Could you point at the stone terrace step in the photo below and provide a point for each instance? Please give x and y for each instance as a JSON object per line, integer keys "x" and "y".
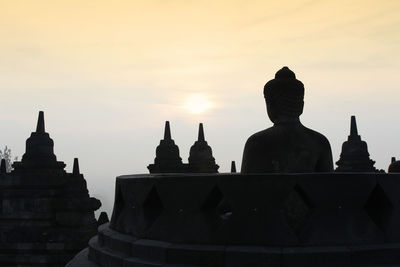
{"x": 112, "y": 249}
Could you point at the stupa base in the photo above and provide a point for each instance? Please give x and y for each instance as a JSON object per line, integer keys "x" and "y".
{"x": 113, "y": 249}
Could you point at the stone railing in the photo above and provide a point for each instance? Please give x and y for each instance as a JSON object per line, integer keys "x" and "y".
{"x": 319, "y": 209}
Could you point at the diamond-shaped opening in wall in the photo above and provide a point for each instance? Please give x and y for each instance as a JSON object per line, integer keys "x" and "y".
{"x": 152, "y": 207}
{"x": 379, "y": 207}
{"x": 215, "y": 207}
{"x": 297, "y": 209}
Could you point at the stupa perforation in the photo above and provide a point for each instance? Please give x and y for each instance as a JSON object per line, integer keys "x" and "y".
{"x": 379, "y": 207}
{"x": 297, "y": 209}
{"x": 287, "y": 206}
{"x": 152, "y": 206}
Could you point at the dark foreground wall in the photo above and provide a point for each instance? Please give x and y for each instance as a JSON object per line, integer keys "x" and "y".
{"x": 46, "y": 217}
{"x": 277, "y": 210}
{"x": 333, "y": 219}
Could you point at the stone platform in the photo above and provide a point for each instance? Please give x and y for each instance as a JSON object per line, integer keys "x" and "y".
{"x": 46, "y": 213}
{"x": 45, "y": 219}
{"x": 328, "y": 219}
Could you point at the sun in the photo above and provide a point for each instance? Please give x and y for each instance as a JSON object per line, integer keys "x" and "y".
{"x": 197, "y": 103}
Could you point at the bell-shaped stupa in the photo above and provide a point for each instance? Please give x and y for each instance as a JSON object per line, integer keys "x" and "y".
{"x": 355, "y": 156}
{"x": 167, "y": 155}
{"x": 46, "y": 214}
{"x": 285, "y": 208}
{"x": 394, "y": 165}
{"x": 201, "y": 159}
{"x": 39, "y": 151}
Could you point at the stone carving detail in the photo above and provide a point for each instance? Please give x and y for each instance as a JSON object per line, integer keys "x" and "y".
{"x": 355, "y": 156}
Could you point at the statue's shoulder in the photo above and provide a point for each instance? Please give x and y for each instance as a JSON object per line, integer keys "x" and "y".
{"x": 316, "y": 136}
{"x": 260, "y": 137}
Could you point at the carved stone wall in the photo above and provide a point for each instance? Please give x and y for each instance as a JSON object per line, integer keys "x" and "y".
{"x": 268, "y": 210}
{"x": 46, "y": 214}
{"x": 294, "y": 220}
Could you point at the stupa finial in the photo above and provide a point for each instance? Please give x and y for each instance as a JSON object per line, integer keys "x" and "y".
{"x": 233, "y": 166}
{"x": 40, "y": 123}
{"x": 167, "y": 155}
{"x": 3, "y": 168}
{"x": 75, "y": 168}
{"x": 353, "y": 126}
{"x": 201, "y": 133}
{"x": 355, "y": 156}
{"x": 167, "y": 131}
{"x": 200, "y": 155}
{"x": 39, "y": 152}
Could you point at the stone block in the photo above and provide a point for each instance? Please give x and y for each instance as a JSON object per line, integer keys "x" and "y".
{"x": 376, "y": 255}
{"x": 136, "y": 262}
{"x": 238, "y": 256}
{"x": 206, "y": 255}
{"x": 150, "y": 250}
{"x": 316, "y": 257}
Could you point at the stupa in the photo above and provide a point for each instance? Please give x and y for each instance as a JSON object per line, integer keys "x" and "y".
{"x": 394, "y": 165}
{"x": 318, "y": 218}
{"x": 355, "y": 156}
{"x": 200, "y": 157}
{"x": 168, "y": 160}
{"x": 46, "y": 214}
{"x": 167, "y": 155}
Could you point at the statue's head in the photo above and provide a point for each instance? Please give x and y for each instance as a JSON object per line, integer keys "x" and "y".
{"x": 284, "y": 96}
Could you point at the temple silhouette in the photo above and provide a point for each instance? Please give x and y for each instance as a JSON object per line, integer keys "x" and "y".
{"x": 168, "y": 160}
{"x": 287, "y": 206}
{"x": 394, "y": 165}
{"x": 46, "y": 214}
{"x": 355, "y": 156}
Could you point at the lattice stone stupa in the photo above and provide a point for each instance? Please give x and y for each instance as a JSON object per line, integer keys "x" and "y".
{"x": 287, "y": 207}
{"x": 46, "y": 214}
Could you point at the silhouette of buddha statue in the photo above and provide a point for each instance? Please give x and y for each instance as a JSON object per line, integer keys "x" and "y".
{"x": 287, "y": 146}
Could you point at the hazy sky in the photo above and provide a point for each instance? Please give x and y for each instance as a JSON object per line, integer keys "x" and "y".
{"x": 109, "y": 73}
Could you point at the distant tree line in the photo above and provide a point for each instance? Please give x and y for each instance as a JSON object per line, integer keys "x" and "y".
{"x": 6, "y": 154}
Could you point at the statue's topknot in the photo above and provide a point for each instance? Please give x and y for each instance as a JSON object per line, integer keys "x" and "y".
{"x": 285, "y": 73}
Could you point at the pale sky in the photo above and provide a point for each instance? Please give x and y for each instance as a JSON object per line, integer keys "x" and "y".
{"x": 109, "y": 73}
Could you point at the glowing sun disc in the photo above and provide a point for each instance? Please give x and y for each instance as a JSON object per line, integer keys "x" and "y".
{"x": 197, "y": 103}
